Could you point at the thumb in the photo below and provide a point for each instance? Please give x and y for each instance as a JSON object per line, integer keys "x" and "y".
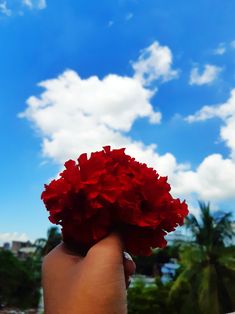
{"x": 110, "y": 249}
{"x": 102, "y": 274}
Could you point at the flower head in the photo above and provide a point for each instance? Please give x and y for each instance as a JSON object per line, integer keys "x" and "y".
{"x": 112, "y": 191}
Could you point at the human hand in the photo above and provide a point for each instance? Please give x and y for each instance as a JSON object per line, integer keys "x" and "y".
{"x": 94, "y": 284}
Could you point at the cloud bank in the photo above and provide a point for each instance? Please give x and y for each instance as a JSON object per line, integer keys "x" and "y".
{"x": 154, "y": 63}
{"x": 74, "y": 115}
{"x": 209, "y": 75}
{"x": 214, "y": 178}
{"x": 226, "y": 112}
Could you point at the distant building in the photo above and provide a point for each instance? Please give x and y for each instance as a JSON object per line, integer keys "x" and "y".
{"x": 17, "y": 245}
{"x": 6, "y": 246}
{"x": 169, "y": 270}
{"x": 22, "y": 249}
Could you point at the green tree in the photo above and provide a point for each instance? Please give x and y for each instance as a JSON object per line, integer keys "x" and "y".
{"x": 205, "y": 283}
{"x": 19, "y": 284}
{"x": 149, "y": 299}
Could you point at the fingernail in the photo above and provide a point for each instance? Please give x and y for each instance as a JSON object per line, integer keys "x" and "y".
{"x": 127, "y": 256}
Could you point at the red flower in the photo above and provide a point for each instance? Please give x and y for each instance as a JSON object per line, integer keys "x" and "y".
{"x": 111, "y": 191}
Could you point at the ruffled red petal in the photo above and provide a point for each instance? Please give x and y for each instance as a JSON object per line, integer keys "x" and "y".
{"x": 111, "y": 191}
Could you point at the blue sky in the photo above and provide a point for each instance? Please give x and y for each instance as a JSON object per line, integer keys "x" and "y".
{"x": 129, "y": 73}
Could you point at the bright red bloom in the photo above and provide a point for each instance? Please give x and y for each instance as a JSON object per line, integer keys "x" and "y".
{"x": 111, "y": 191}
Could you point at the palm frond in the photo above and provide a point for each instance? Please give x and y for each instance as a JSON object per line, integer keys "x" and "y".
{"x": 181, "y": 281}
{"x": 192, "y": 224}
{"x": 226, "y": 257}
{"x": 208, "y": 291}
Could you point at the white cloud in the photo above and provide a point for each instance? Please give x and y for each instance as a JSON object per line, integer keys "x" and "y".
{"x": 4, "y": 9}
{"x": 12, "y": 236}
{"x": 220, "y": 50}
{"x": 210, "y": 74}
{"x": 154, "y": 62}
{"x": 74, "y": 115}
{"x": 226, "y": 112}
{"x": 35, "y": 4}
{"x": 214, "y": 178}
{"x": 89, "y": 112}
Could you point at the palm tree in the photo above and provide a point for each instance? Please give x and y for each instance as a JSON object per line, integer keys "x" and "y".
{"x": 212, "y": 231}
{"x": 205, "y": 283}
